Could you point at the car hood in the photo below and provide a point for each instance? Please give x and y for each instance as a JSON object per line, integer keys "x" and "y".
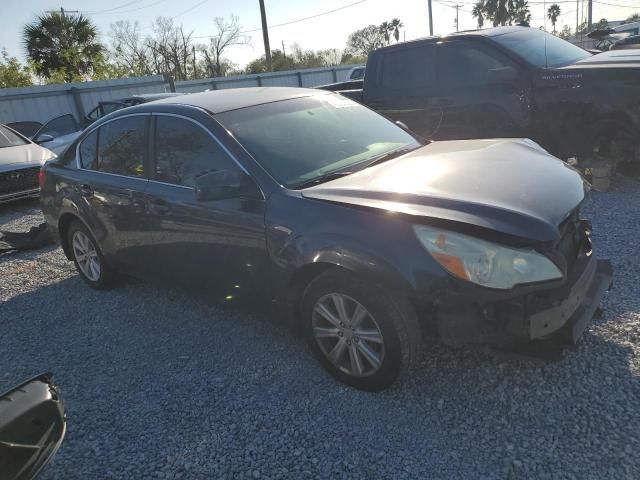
{"x": 23, "y": 156}
{"x": 613, "y": 58}
{"x": 511, "y": 186}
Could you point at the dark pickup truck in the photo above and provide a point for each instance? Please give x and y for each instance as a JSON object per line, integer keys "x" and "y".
{"x": 508, "y": 82}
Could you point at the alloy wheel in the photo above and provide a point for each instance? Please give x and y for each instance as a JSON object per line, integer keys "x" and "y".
{"x": 86, "y": 256}
{"x": 348, "y": 335}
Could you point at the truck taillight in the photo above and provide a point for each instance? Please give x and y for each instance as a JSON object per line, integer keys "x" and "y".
{"x": 41, "y": 177}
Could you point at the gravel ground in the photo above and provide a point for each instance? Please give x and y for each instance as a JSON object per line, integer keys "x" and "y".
{"x": 159, "y": 384}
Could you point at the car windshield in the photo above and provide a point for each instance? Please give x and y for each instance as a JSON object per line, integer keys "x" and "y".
{"x": 9, "y": 138}
{"x": 303, "y": 139}
{"x": 541, "y": 49}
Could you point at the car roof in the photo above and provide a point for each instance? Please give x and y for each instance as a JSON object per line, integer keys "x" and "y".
{"x": 218, "y": 101}
{"x": 485, "y": 32}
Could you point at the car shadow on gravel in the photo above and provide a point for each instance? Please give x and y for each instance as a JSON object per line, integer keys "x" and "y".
{"x": 160, "y": 371}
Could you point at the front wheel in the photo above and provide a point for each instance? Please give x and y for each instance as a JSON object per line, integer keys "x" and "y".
{"x": 362, "y": 335}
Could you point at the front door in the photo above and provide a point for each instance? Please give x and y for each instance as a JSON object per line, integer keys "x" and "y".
{"x": 215, "y": 246}
{"x": 475, "y": 101}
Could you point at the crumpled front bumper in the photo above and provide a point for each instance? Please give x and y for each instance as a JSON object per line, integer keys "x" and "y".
{"x": 571, "y": 317}
{"x": 556, "y": 315}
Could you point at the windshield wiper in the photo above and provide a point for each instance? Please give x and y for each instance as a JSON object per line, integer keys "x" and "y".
{"x": 321, "y": 179}
{"x": 389, "y": 155}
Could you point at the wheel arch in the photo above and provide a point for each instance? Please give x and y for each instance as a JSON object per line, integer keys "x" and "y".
{"x": 375, "y": 270}
{"x": 64, "y": 222}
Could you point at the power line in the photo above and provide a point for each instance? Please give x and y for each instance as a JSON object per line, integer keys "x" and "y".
{"x": 190, "y": 8}
{"x": 114, "y": 8}
{"x": 153, "y": 4}
{"x": 299, "y": 19}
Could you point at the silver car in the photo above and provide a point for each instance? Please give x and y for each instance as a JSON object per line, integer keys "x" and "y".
{"x": 20, "y": 162}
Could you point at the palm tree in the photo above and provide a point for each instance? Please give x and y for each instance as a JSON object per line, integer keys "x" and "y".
{"x": 478, "y": 12}
{"x": 59, "y": 44}
{"x": 553, "y": 12}
{"x": 499, "y": 11}
{"x": 395, "y": 26}
{"x": 385, "y": 29}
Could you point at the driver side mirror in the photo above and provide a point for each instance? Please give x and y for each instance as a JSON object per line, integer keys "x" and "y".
{"x": 43, "y": 138}
{"x": 502, "y": 75}
{"x": 224, "y": 184}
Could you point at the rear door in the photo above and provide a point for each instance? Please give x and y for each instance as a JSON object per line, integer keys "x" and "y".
{"x": 216, "y": 246}
{"x": 474, "y": 104}
{"x": 402, "y": 86}
{"x": 113, "y": 160}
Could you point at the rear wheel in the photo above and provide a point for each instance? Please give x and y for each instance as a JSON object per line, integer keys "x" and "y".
{"x": 87, "y": 257}
{"x": 362, "y": 335}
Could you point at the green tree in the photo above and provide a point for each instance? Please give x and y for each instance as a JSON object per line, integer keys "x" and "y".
{"x": 633, "y": 18}
{"x": 366, "y": 40}
{"x": 396, "y": 25}
{"x": 12, "y": 73}
{"x": 520, "y": 12}
{"x": 553, "y": 12}
{"x": 62, "y": 44}
{"x": 601, "y": 25}
{"x": 498, "y": 11}
{"x": 566, "y": 33}
{"x": 478, "y": 12}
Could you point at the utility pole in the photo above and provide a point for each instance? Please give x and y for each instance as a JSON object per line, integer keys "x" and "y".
{"x": 590, "y": 17}
{"x": 265, "y": 36}
{"x": 457, "y": 18}
{"x": 577, "y": 17}
{"x": 430, "y": 18}
{"x": 284, "y": 52}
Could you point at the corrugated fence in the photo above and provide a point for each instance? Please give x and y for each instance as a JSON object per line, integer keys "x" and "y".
{"x": 309, "y": 77}
{"x": 44, "y": 102}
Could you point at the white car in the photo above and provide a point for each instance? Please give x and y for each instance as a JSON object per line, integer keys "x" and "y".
{"x": 20, "y": 162}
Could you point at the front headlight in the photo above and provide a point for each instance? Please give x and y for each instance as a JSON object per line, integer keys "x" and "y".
{"x": 485, "y": 263}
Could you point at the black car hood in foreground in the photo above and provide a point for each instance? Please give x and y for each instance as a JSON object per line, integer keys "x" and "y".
{"x": 32, "y": 426}
{"x": 511, "y": 186}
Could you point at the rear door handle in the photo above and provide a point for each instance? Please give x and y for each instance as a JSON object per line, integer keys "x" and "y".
{"x": 86, "y": 190}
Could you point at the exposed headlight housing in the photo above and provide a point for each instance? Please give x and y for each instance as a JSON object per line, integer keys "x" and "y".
{"x": 485, "y": 263}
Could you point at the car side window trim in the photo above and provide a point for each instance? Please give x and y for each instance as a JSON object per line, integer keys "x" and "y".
{"x": 79, "y": 166}
{"x": 208, "y": 132}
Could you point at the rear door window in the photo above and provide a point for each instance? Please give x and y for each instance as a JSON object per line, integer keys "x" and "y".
{"x": 122, "y": 146}
{"x": 407, "y": 68}
{"x": 89, "y": 151}
{"x": 185, "y": 151}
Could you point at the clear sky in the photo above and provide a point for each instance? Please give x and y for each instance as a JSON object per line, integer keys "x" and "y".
{"x": 325, "y": 31}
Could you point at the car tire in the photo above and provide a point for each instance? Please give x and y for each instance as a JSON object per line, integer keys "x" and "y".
{"x": 369, "y": 350}
{"x": 88, "y": 258}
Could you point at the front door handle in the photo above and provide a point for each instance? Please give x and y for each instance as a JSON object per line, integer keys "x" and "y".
{"x": 86, "y": 190}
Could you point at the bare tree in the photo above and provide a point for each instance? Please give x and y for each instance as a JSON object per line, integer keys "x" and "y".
{"x": 171, "y": 48}
{"x": 128, "y": 49}
{"x": 228, "y": 34}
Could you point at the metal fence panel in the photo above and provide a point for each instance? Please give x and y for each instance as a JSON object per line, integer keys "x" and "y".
{"x": 44, "y": 102}
{"x": 309, "y": 77}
